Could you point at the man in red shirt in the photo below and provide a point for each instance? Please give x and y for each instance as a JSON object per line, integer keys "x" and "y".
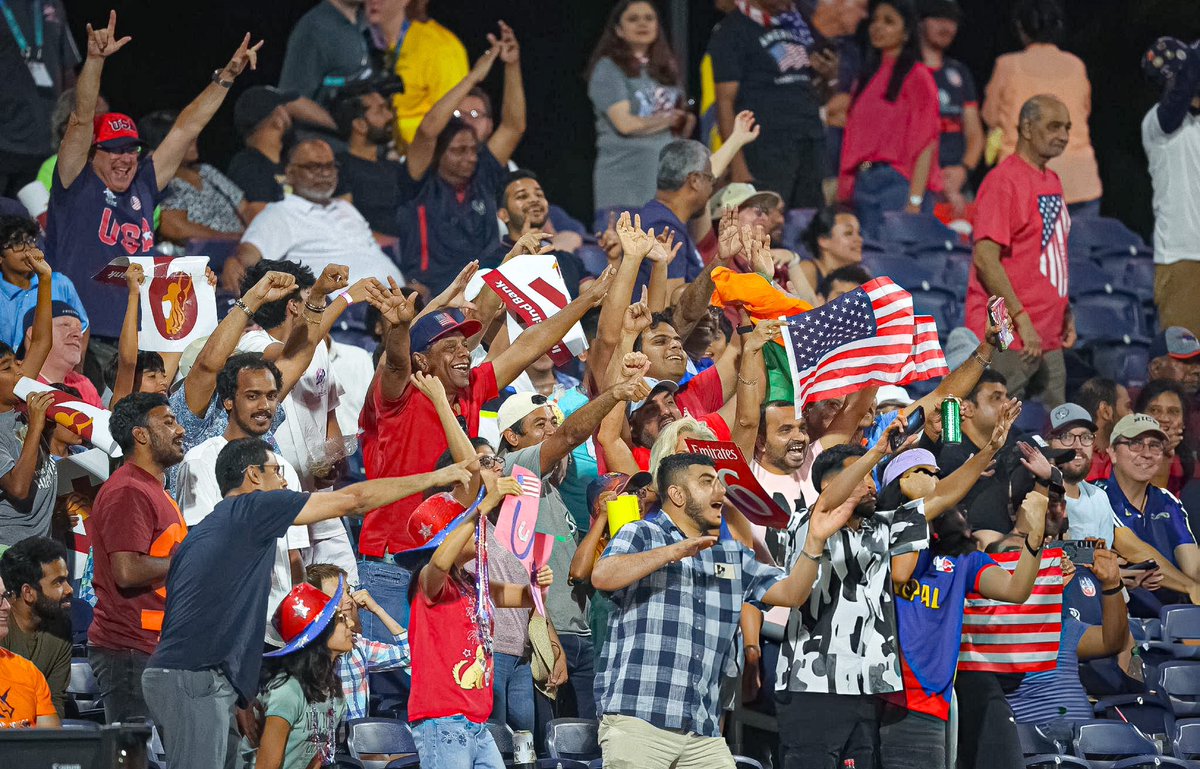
{"x": 401, "y": 431}
{"x": 135, "y": 528}
{"x": 1021, "y": 229}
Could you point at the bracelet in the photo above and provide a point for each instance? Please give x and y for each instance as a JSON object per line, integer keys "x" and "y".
{"x": 346, "y": 295}
{"x": 1034, "y": 553}
{"x": 313, "y": 308}
{"x": 238, "y": 303}
{"x": 983, "y": 361}
{"x": 311, "y": 321}
{"x": 743, "y": 330}
{"x": 748, "y": 647}
{"x": 1113, "y": 590}
{"x": 747, "y": 382}
{"x": 810, "y": 556}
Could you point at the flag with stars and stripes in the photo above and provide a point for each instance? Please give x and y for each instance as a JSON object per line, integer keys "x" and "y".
{"x": 1056, "y": 224}
{"x": 927, "y": 360}
{"x": 861, "y": 339}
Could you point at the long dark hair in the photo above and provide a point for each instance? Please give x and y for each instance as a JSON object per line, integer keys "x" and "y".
{"x": 313, "y": 667}
{"x": 910, "y": 52}
{"x": 662, "y": 66}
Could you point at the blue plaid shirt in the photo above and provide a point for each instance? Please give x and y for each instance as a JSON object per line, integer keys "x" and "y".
{"x": 369, "y": 657}
{"x": 669, "y": 633}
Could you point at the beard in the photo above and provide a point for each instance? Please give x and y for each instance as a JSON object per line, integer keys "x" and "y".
{"x": 165, "y": 451}
{"x": 695, "y": 511}
{"x": 1073, "y": 476}
{"x": 864, "y": 509}
{"x": 379, "y": 134}
{"x": 50, "y": 612}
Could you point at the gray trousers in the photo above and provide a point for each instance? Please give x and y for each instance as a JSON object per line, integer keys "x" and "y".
{"x": 1047, "y": 376}
{"x": 194, "y": 709}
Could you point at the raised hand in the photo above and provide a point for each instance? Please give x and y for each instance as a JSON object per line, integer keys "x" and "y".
{"x": 1034, "y": 461}
{"x": 36, "y": 406}
{"x": 210, "y": 276}
{"x": 598, "y": 288}
{"x": 729, "y": 235}
{"x": 529, "y": 243}
{"x": 760, "y": 257}
{"x": 1035, "y": 506}
{"x": 635, "y": 242}
{"x": 1106, "y": 568}
{"x": 825, "y": 64}
{"x": 243, "y": 56}
{"x": 510, "y": 49}
{"x": 393, "y": 305}
{"x": 272, "y": 287}
{"x": 763, "y": 333}
{"x": 634, "y": 365}
{"x": 745, "y": 128}
{"x": 455, "y": 294}
{"x": 455, "y": 474}
{"x": 333, "y": 278}
{"x": 631, "y": 389}
{"x": 103, "y": 43}
{"x": 824, "y": 524}
{"x": 430, "y": 386}
{"x": 483, "y": 65}
{"x": 608, "y": 239}
{"x": 636, "y": 320}
{"x": 358, "y": 289}
{"x": 1008, "y": 415}
{"x": 665, "y": 249}
{"x": 134, "y": 277}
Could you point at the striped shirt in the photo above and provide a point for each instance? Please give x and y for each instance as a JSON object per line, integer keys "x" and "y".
{"x": 369, "y": 657}
{"x": 1058, "y": 693}
{"x": 1002, "y": 637}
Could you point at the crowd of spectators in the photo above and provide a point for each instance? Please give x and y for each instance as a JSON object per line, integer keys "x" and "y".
{"x": 303, "y": 521}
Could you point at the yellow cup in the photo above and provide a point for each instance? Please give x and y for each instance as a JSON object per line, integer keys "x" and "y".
{"x": 622, "y": 510}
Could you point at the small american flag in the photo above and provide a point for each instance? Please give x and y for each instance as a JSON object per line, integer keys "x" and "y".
{"x": 861, "y": 339}
{"x": 445, "y": 319}
{"x": 789, "y": 56}
{"x": 531, "y": 485}
{"x": 1056, "y": 225}
{"x": 927, "y": 360}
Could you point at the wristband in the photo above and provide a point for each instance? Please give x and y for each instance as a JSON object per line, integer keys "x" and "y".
{"x": 238, "y": 303}
{"x": 1034, "y": 553}
{"x": 346, "y": 296}
{"x": 743, "y": 330}
{"x": 810, "y": 556}
{"x": 982, "y": 361}
{"x": 1113, "y": 590}
{"x": 216, "y": 78}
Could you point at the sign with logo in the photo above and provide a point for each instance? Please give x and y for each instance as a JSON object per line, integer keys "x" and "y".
{"x": 532, "y": 288}
{"x": 178, "y": 305}
{"x": 742, "y": 489}
{"x": 83, "y": 419}
{"x": 516, "y": 528}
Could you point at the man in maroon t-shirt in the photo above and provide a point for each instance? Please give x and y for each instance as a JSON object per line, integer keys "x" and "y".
{"x": 135, "y": 528}
{"x": 401, "y": 431}
{"x": 1021, "y": 233}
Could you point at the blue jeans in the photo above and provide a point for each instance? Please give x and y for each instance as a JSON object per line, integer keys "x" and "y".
{"x": 878, "y": 189}
{"x": 512, "y": 692}
{"x": 388, "y": 585}
{"x": 456, "y": 743}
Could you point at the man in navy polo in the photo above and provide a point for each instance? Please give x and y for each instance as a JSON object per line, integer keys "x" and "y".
{"x": 685, "y": 183}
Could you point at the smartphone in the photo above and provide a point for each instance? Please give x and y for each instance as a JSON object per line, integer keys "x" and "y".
{"x": 1081, "y": 552}
{"x": 1149, "y": 565}
{"x": 998, "y": 313}
{"x": 914, "y": 425}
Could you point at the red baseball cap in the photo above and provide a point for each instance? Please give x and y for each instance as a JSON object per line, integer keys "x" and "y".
{"x": 113, "y": 130}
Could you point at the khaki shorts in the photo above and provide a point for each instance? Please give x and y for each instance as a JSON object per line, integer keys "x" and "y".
{"x": 631, "y": 743}
{"x": 1175, "y": 289}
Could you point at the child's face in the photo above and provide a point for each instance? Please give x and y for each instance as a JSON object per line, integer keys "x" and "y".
{"x": 342, "y": 638}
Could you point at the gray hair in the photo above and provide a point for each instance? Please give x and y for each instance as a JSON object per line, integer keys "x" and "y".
{"x": 1031, "y": 110}
{"x": 678, "y": 160}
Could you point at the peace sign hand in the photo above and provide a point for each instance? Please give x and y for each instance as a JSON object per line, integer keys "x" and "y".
{"x": 104, "y": 43}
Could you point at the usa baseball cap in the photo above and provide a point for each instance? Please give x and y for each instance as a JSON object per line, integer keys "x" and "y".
{"x": 112, "y": 131}
{"x": 1070, "y": 414}
{"x": 1177, "y": 342}
{"x": 1133, "y": 425}
{"x": 656, "y": 386}
{"x": 437, "y": 325}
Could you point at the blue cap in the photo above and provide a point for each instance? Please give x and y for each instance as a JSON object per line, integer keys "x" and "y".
{"x": 58, "y": 309}
{"x": 436, "y": 325}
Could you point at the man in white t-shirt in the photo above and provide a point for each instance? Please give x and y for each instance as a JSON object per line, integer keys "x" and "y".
{"x": 311, "y": 226}
{"x": 310, "y": 434}
{"x": 1089, "y": 512}
{"x": 1171, "y": 137}
{"x": 248, "y": 388}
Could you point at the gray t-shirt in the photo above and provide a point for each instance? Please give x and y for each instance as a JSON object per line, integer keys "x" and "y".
{"x": 29, "y": 517}
{"x": 627, "y": 166}
{"x": 568, "y": 613}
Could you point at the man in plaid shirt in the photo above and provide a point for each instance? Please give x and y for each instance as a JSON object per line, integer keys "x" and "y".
{"x": 367, "y": 656}
{"x": 677, "y": 593}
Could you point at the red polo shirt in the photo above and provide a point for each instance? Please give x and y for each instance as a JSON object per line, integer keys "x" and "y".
{"x": 405, "y": 437}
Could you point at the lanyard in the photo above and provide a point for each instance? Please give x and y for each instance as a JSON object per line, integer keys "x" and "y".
{"x": 38, "y": 31}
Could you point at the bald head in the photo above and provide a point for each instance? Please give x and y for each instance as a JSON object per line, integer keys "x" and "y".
{"x": 311, "y": 171}
{"x": 1044, "y": 126}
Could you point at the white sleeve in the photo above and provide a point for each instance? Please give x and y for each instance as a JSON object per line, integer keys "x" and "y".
{"x": 270, "y": 233}
{"x": 198, "y": 492}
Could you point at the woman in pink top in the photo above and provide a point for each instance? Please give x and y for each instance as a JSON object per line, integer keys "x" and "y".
{"x": 889, "y": 150}
{"x": 1044, "y": 68}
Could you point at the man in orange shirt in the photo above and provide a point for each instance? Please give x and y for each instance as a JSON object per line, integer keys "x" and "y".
{"x": 24, "y": 694}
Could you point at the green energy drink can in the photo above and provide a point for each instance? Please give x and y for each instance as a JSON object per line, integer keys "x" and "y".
{"x": 951, "y": 420}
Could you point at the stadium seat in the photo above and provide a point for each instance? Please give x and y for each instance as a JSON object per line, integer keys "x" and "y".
{"x": 572, "y": 738}
{"x": 1102, "y": 234}
{"x": 78, "y": 723}
{"x": 1149, "y": 712}
{"x": 795, "y": 222}
{"x": 1053, "y": 760}
{"x": 381, "y": 736}
{"x": 1179, "y": 622}
{"x": 1035, "y": 742}
{"x": 940, "y": 303}
{"x": 1185, "y": 740}
{"x": 1180, "y": 683}
{"x": 1105, "y": 317}
{"x": 84, "y": 693}
{"x": 745, "y": 762}
{"x": 901, "y": 268}
{"x": 1145, "y": 629}
{"x": 916, "y": 231}
{"x": 502, "y": 735}
{"x": 1088, "y": 277}
{"x": 1121, "y": 361}
{"x": 1104, "y": 743}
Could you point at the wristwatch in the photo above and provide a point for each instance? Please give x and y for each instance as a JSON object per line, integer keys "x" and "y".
{"x": 216, "y": 78}
{"x": 916, "y": 200}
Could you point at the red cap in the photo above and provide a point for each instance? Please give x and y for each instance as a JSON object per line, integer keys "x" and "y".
{"x": 112, "y": 130}
{"x": 430, "y": 518}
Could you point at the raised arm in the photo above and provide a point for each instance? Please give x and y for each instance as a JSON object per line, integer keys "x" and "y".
{"x": 998, "y": 584}
{"x": 460, "y": 445}
{"x": 845, "y": 482}
{"x": 127, "y": 345}
{"x": 796, "y": 588}
{"x": 745, "y": 130}
{"x": 636, "y": 245}
{"x": 398, "y": 312}
{"x": 17, "y": 484}
{"x": 77, "y": 140}
{"x": 696, "y": 298}
{"x": 846, "y": 421}
{"x": 201, "y": 381}
{"x": 536, "y": 341}
{"x": 959, "y": 382}
{"x": 196, "y": 115}
{"x": 41, "y": 339}
{"x": 1111, "y": 636}
{"x": 951, "y": 489}
{"x": 617, "y": 572}
{"x": 508, "y": 133}
{"x": 365, "y": 496}
{"x": 433, "y": 576}
{"x": 420, "y": 151}
{"x": 752, "y": 386}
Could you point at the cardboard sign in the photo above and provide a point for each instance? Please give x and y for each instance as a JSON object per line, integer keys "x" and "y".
{"x": 742, "y": 489}
{"x": 516, "y": 528}
{"x": 532, "y": 289}
{"x": 83, "y": 419}
{"x": 178, "y": 305}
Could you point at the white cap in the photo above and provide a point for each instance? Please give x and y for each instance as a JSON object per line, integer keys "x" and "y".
{"x": 893, "y": 394}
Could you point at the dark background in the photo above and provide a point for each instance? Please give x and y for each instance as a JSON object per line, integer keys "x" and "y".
{"x": 178, "y": 43}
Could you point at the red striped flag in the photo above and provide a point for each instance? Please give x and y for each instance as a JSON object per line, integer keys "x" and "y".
{"x": 862, "y": 338}
{"x": 1002, "y": 637}
{"x": 927, "y": 360}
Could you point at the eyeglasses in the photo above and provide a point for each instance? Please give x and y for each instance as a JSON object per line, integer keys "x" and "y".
{"x": 471, "y": 113}
{"x": 1152, "y": 446}
{"x": 1070, "y": 439}
{"x": 22, "y": 245}
{"x": 134, "y": 150}
{"x": 316, "y": 168}
{"x": 490, "y": 462}
{"x": 277, "y": 468}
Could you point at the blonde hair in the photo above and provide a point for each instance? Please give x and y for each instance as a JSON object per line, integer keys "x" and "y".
{"x": 667, "y": 440}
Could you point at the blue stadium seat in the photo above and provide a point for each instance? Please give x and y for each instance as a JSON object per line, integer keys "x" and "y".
{"x": 1034, "y": 741}
{"x": 942, "y": 304}
{"x": 1102, "y": 234}
{"x": 1101, "y": 317}
{"x": 574, "y": 739}
{"x": 1185, "y": 740}
{"x": 795, "y": 222}
{"x": 901, "y": 268}
{"x": 951, "y": 268}
{"x": 1055, "y": 761}
{"x": 1139, "y": 278}
{"x": 744, "y": 762}
{"x": 1104, "y": 743}
{"x": 1145, "y": 629}
{"x": 1088, "y": 277}
{"x": 916, "y": 231}
{"x": 1120, "y": 361}
{"x": 1149, "y": 712}
{"x": 385, "y": 736}
{"x": 1180, "y": 683}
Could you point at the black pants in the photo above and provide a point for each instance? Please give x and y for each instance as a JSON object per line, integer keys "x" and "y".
{"x": 119, "y": 676}
{"x": 823, "y": 731}
{"x": 791, "y": 165}
{"x": 987, "y": 731}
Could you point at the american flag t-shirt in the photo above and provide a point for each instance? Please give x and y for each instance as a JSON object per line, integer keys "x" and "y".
{"x": 1056, "y": 223}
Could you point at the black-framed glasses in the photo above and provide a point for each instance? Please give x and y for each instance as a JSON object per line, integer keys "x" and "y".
{"x": 1152, "y": 446}
{"x": 491, "y": 462}
{"x": 277, "y": 468}
{"x": 21, "y": 245}
{"x": 1070, "y": 439}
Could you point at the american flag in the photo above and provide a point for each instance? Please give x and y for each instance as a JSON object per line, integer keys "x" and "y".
{"x": 927, "y": 360}
{"x": 860, "y": 339}
{"x": 789, "y": 56}
{"x": 1056, "y": 225}
{"x": 530, "y": 484}
{"x": 1002, "y": 637}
